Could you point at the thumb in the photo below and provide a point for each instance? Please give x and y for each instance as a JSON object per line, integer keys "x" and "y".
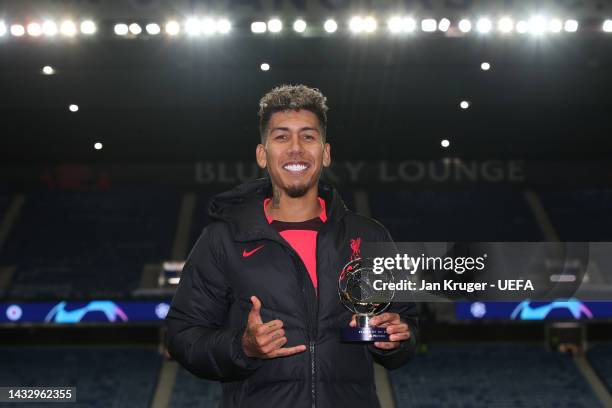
{"x": 254, "y": 314}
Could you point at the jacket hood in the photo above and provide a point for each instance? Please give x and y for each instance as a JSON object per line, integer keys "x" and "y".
{"x": 242, "y": 207}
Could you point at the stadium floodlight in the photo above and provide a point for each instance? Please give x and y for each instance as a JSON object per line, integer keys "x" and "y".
{"x": 330, "y": 26}
{"x": 34, "y": 29}
{"x": 464, "y": 105}
{"x": 192, "y": 26}
{"x": 48, "y": 70}
{"x": 121, "y": 29}
{"x": 275, "y": 25}
{"x": 49, "y": 28}
{"x": 484, "y": 25}
{"x": 394, "y": 24}
{"x": 299, "y": 26}
{"x": 209, "y": 26}
{"x": 409, "y": 24}
{"x": 97, "y": 145}
{"x": 2, "y": 28}
{"x": 571, "y": 26}
{"x": 68, "y": 28}
{"x": 17, "y": 30}
{"x": 465, "y": 25}
{"x": 172, "y": 27}
{"x": 555, "y": 25}
{"x": 429, "y": 25}
{"x": 153, "y": 28}
{"x": 135, "y": 28}
{"x": 444, "y": 25}
{"x": 607, "y": 26}
{"x": 224, "y": 26}
{"x": 522, "y": 27}
{"x": 537, "y": 25}
{"x": 356, "y": 24}
{"x": 264, "y": 67}
{"x": 444, "y": 143}
{"x": 505, "y": 25}
{"x": 485, "y": 66}
{"x": 88, "y": 27}
{"x": 369, "y": 24}
{"x": 73, "y": 108}
{"x": 259, "y": 27}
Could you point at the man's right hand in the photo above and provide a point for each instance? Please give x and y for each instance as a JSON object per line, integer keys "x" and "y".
{"x": 265, "y": 340}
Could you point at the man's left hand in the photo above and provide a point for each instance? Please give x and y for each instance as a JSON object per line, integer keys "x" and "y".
{"x": 397, "y": 330}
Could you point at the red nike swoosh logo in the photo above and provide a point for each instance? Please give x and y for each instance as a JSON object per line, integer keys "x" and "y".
{"x": 246, "y": 253}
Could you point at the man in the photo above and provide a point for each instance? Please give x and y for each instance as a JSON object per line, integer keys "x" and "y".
{"x": 257, "y": 305}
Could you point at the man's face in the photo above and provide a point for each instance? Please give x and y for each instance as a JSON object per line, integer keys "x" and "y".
{"x": 294, "y": 152}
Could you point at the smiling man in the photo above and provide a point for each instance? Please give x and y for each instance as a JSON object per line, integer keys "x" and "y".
{"x": 257, "y": 306}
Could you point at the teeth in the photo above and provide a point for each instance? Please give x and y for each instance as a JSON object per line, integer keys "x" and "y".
{"x": 295, "y": 167}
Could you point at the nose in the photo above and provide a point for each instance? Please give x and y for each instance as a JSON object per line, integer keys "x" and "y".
{"x": 296, "y": 144}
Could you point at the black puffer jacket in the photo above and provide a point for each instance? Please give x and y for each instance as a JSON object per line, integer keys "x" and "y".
{"x": 209, "y": 310}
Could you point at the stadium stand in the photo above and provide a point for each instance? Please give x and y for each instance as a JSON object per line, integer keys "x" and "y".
{"x": 580, "y": 215}
{"x": 104, "y": 376}
{"x": 192, "y": 392}
{"x": 88, "y": 244}
{"x": 600, "y": 357}
{"x": 428, "y": 216}
{"x": 491, "y": 375}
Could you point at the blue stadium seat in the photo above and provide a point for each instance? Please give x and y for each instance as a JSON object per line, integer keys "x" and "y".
{"x": 491, "y": 376}
{"x": 430, "y": 216}
{"x": 100, "y": 240}
{"x": 104, "y": 376}
{"x": 600, "y": 357}
{"x": 192, "y": 392}
{"x": 580, "y": 215}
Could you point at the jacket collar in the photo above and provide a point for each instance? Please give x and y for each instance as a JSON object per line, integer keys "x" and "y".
{"x": 242, "y": 208}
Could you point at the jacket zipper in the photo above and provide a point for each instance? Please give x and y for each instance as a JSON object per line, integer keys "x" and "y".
{"x": 312, "y": 313}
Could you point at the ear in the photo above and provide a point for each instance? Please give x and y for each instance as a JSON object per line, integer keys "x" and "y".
{"x": 260, "y": 156}
{"x": 326, "y": 155}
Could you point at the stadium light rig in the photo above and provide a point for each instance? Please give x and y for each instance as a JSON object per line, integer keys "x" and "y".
{"x": 465, "y": 25}
{"x": 330, "y": 26}
{"x": 258, "y": 27}
{"x": 399, "y": 24}
{"x": 299, "y": 26}
{"x": 429, "y": 25}
{"x": 275, "y": 25}
{"x": 193, "y": 26}
{"x": 172, "y": 28}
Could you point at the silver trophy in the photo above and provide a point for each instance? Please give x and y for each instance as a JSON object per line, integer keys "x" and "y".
{"x": 357, "y": 293}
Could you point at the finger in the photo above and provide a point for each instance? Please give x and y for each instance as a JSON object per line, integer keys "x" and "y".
{"x": 386, "y": 345}
{"x": 397, "y": 328}
{"x": 263, "y": 341}
{"x": 353, "y": 321}
{"x": 276, "y": 344}
{"x": 392, "y": 318}
{"x": 269, "y": 327}
{"x": 287, "y": 351}
{"x": 255, "y": 313}
{"x": 399, "y": 336}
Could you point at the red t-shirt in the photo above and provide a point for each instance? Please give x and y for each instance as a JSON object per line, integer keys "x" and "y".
{"x": 302, "y": 236}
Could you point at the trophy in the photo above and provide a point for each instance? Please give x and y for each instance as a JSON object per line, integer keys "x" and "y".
{"x": 357, "y": 293}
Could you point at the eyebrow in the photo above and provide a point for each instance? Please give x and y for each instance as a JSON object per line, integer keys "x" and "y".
{"x": 307, "y": 128}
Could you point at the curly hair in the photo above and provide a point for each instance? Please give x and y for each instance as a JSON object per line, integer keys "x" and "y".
{"x": 292, "y": 97}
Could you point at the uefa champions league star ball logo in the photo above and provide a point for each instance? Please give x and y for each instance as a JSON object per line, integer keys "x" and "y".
{"x": 14, "y": 313}
{"x": 356, "y": 288}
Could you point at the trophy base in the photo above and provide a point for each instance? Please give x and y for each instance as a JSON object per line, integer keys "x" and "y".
{"x": 364, "y": 334}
